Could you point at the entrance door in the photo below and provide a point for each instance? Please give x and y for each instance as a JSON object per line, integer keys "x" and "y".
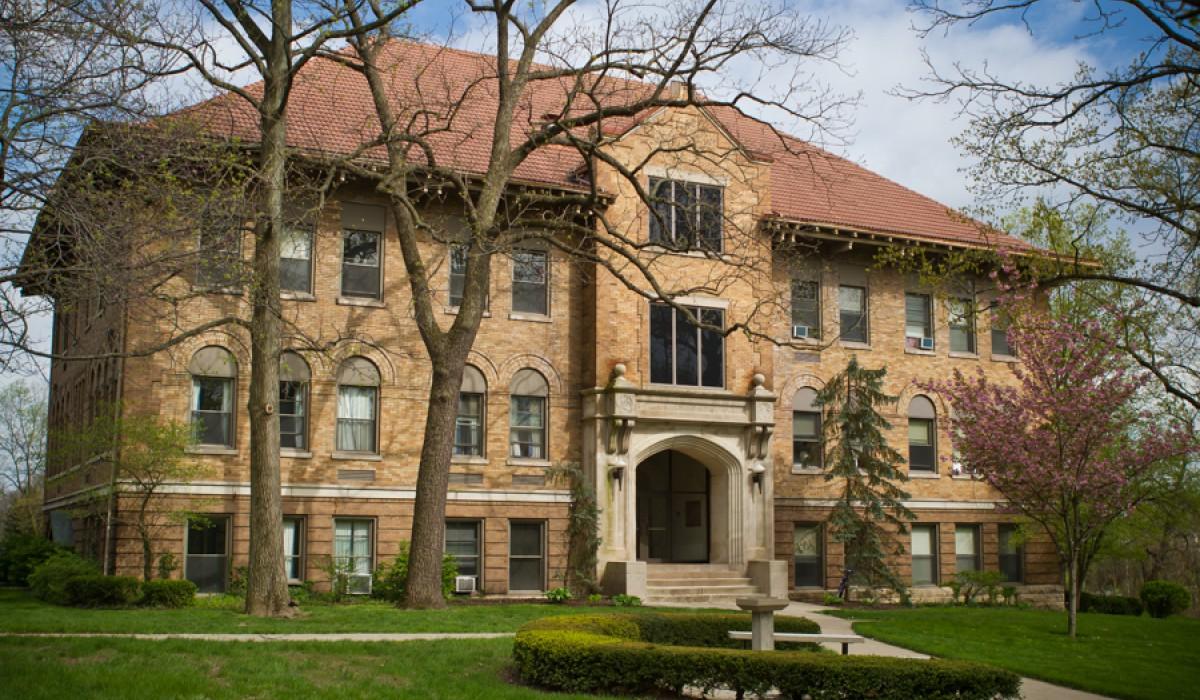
{"x": 672, "y": 504}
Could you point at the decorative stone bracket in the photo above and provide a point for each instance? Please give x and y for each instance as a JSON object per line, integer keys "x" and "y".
{"x": 622, "y": 409}
{"x": 762, "y": 425}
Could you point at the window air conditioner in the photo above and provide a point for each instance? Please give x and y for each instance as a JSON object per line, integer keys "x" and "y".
{"x": 464, "y": 584}
{"x": 926, "y": 343}
{"x": 799, "y": 331}
{"x": 358, "y": 584}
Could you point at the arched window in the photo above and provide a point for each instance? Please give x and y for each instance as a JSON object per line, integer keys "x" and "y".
{"x": 294, "y": 377}
{"x": 358, "y": 406}
{"x": 468, "y": 427}
{"x": 213, "y": 371}
{"x": 807, "y": 452}
{"x": 922, "y": 445}
{"x": 527, "y": 415}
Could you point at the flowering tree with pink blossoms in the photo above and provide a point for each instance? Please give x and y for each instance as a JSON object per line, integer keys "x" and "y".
{"x": 1066, "y": 445}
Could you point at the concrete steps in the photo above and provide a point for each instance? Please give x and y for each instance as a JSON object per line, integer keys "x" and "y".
{"x": 695, "y": 583}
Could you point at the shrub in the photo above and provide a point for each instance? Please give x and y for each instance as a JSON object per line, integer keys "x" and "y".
{"x": 390, "y": 580}
{"x": 712, "y": 629}
{"x": 595, "y": 598}
{"x": 972, "y": 583}
{"x": 1010, "y": 595}
{"x": 49, "y": 580}
{"x": 95, "y": 591}
{"x": 831, "y": 599}
{"x": 558, "y": 595}
{"x": 1110, "y": 604}
{"x": 1165, "y": 598}
{"x": 20, "y": 554}
{"x": 168, "y": 593}
{"x": 167, "y": 564}
{"x": 627, "y": 654}
{"x": 626, "y": 601}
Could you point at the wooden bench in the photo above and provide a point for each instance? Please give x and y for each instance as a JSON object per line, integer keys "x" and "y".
{"x": 844, "y": 639}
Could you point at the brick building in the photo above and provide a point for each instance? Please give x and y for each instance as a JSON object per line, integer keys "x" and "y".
{"x": 703, "y": 449}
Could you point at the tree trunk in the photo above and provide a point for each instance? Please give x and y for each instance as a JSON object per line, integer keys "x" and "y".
{"x": 147, "y": 554}
{"x": 429, "y": 509}
{"x": 266, "y": 588}
{"x": 1074, "y": 588}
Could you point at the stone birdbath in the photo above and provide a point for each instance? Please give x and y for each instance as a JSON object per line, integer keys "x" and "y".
{"x": 762, "y": 621}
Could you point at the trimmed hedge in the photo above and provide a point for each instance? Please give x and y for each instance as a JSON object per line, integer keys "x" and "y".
{"x": 96, "y": 591}
{"x": 1165, "y": 598}
{"x": 614, "y": 654}
{"x": 49, "y": 579}
{"x": 1110, "y": 604}
{"x": 168, "y": 593}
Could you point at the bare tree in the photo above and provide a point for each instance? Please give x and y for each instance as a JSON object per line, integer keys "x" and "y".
{"x": 1116, "y": 142}
{"x": 561, "y": 87}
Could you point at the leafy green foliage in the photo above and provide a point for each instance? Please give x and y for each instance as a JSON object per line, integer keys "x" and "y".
{"x": 583, "y": 528}
{"x": 712, "y": 629}
{"x": 626, "y": 601}
{"x": 630, "y": 654}
{"x": 1165, "y": 598}
{"x": 172, "y": 593}
{"x": 95, "y": 591}
{"x": 1110, "y": 604}
{"x": 391, "y": 578}
{"x": 49, "y": 579}
{"x": 973, "y": 583}
{"x": 558, "y": 595}
{"x": 20, "y": 553}
{"x": 594, "y": 599}
{"x": 871, "y": 504}
{"x": 167, "y": 564}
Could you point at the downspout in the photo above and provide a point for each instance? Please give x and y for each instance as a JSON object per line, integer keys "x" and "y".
{"x": 109, "y": 554}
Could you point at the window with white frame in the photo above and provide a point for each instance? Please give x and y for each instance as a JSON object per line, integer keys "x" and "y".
{"x": 918, "y": 322}
{"x": 463, "y": 543}
{"x": 213, "y": 372}
{"x": 469, "y": 423}
{"x": 458, "y": 273}
{"x": 357, "y": 406}
{"x": 1000, "y": 342}
{"x": 962, "y": 324}
{"x": 807, "y": 448}
{"x": 362, "y": 250}
{"x": 353, "y": 552}
{"x": 526, "y": 556}
{"x": 683, "y": 353}
{"x": 527, "y": 415}
{"x": 966, "y": 548}
{"x": 295, "y": 258}
{"x": 530, "y": 282}
{"x": 293, "y": 548}
{"x": 294, "y": 379}
{"x": 852, "y": 314}
{"x": 924, "y": 555}
{"x": 922, "y": 441}
{"x": 686, "y": 215}
{"x": 806, "y": 309}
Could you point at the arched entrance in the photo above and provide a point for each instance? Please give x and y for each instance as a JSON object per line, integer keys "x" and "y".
{"x": 673, "y": 509}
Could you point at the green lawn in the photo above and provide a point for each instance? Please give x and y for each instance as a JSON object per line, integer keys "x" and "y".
{"x": 1127, "y": 657}
{"x": 108, "y": 668}
{"x": 21, "y": 612}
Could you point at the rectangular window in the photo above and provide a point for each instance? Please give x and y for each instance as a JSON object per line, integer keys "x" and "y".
{"x": 206, "y": 561}
{"x": 810, "y": 570}
{"x": 806, "y": 309}
{"x": 219, "y": 250}
{"x": 458, "y": 273}
{"x": 1000, "y": 344}
{"x": 468, "y": 426}
{"x": 295, "y": 258}
{"x": 361, "y": 264}
{"x": 212, "y": 410}
{"x": 852, "y": 313}
{"x": 1011, "y": 554}
{"x": 918, "y": 322}
{"x": 686, "y": 215}
{"x": 352, "y": 552}
{"x": 962, "y": 325}
{"x": 462, "y": 543}
{"x": 526, "y": 557}
{"x": 684, "y": 354}
{"x": 966, "y": 548}
{"x": 530, "y": 282}
{"x": 293, "y": 549}
{"x": 924, "y": 555}
{"x": 806, "y": 440}
{"x": 293, "y": 415}
{"x": 527, "y": 431}
{"x": 920, "y": 445}
{"x": 356, "y": 418}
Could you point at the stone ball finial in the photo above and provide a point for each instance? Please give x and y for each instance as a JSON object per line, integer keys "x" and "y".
{"x": 758, "y": 379}
{"x": 619, "y": 369}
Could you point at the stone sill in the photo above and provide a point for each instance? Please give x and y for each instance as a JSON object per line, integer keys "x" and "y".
{"x": 527, "y": 462}
{"x": 854, "y": 345}
{"x": 1005, "y": 358}
{"x": 811, "y": 471}
{"x": 915, "y": 351}
{"x": 295, "y": 454}
{"x": 453, "y": 311}
{"x": 468, "y": 459}
{"x": 964, "y": 355}
{"x": 211, "y": 450}
{"x": 360, "y": 301}
{"x": 357, "y": 456}
{"x": 536, "y": 318}
{"x": 297, "y": 296}
{"x": 924, "y": 475}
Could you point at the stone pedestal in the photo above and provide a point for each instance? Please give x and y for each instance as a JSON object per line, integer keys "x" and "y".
{"x": 762, "y": 623}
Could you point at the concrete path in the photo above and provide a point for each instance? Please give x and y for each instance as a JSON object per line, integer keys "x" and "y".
{"x": 315, "y": 637}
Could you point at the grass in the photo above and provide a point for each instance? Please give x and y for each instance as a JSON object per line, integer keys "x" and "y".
{"x": 21, "y": 612}
{"x": 109, "y": 668}
{"x": 1119, "y": 656}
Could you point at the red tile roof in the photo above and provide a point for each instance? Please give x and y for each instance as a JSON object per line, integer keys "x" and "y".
{"x": 451, "y": 95}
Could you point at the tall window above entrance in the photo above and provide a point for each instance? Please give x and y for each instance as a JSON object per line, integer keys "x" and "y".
{"x": 685, "y": 215}
{"x": 682, "y": 353}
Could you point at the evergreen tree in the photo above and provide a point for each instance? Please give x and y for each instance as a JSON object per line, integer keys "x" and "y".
{"x": 871, "y": 510}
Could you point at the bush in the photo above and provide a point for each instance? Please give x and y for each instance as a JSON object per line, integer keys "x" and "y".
{"x": 20, "y": 554}
{"x": 49, "y": 580}
{"x": 168, "y": 593}
{"x": 1165, "y": 598}
{"x": 595, "y": 598}
{"x": 712, "y": 629}
{"x": 622, "y": 600}
{"x": 558, "y": 595}
{"x": 630, "y": 654}
{"x": 1109, "y": 604}
{"x": 972, "y": 583}
{"x": 390, "y": 580}
{"x": 94, "y": 591}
